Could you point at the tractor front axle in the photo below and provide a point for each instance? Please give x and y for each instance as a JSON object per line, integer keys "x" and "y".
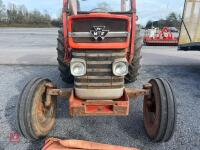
{"x": 117, "y": 107}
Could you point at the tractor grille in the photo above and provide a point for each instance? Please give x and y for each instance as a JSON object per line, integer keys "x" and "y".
{"x": 99, "y": 69}
{"x": 85, "y": 25}
{"x": 112, "y": 25}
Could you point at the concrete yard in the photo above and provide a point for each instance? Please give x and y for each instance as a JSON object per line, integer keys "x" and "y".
{"x": 38, "y": 47}
{"x": 28, "y": 53}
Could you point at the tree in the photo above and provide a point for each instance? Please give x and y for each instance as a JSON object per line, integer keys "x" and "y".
{"x": 105, "y": 6}
{"x": 2, "y": 11}
{"x": 172, "y": 20}
{"x": 172, "y": 17}
{"x": 36, "y": 17}
{"x": 12, "y": 13}
{"x": 22, "y": 14}
{"x": 149, "y": 24}
{"x": 161, "y": 23}
{"x": 57, "y": 22}
{"x": 46, "y": 17}
{"x": 19, "y": 15}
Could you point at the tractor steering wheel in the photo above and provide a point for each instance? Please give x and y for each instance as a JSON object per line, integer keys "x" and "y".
{"x": 99, "y": 10}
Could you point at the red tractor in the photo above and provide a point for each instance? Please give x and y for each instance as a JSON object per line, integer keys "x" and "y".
{"x": 99, "y": 49}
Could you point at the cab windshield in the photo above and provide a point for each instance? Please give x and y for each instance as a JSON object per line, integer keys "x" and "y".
{"x": 104, "y": 5}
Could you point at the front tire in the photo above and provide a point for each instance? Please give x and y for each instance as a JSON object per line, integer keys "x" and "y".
{"x": 160, "y": 111}
{"x": 34, "y": 118}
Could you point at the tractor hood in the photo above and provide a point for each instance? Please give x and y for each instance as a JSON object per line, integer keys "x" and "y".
{"x": 99, "y": 31}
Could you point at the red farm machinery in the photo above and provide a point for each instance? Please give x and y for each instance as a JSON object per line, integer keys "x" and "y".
{"x": 99, "y": 50}
{"x": 156, "y": 37}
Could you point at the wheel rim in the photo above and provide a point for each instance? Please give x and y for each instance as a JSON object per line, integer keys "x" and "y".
{"x": 152, "y": 111}
{"x": 43, "y": 117}
{"x": 160, "y": 111}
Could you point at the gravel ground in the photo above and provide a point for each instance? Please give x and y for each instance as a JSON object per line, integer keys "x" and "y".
{"x": 126, "y": 131}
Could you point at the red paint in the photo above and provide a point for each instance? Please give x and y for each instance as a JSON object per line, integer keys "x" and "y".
{"x": 133, "y": 30}
{"x": 163, "y": 38}
{"x": 121, "y": 45}
{"x": 69, "y": 43}
{"x": 65, "y": 32}
{"x": 64, "y": 17}
{"x": 79, "y": 107}
{"x": 14, "y": 137}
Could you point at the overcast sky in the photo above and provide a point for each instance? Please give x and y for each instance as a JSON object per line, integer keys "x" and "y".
{"x": 146, "y": 9}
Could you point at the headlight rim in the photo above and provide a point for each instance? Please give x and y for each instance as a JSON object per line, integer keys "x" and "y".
{"x": 75, "y": 61}
{"x": 114, "y": 65}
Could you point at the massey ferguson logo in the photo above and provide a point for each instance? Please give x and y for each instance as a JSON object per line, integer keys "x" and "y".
{"x": 99, "y": 33}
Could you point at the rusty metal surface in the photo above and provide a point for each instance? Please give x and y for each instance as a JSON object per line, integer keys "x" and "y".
{"x": 135, "y": 93}
{"x": 131, "y": 92}
{"x": 118, "y": 107}
{"x": 43, "y": 110}
{"x": 151, "y": 111}
{"x": 60, "y": 92}
{"x": 79, "y": 107}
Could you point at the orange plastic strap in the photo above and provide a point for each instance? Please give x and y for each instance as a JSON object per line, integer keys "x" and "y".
{"x": 56, "y": 144}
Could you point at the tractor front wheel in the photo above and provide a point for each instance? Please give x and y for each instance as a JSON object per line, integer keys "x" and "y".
{"x": 35, "y": 112}
{"x": 160, "y": 111}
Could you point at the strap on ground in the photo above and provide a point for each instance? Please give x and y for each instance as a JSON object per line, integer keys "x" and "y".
{"x": 57, "y": 144}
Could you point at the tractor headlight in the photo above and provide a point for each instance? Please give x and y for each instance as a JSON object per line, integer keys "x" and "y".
{"x": 78, "y": 67}
{"x": 120, "y": 67}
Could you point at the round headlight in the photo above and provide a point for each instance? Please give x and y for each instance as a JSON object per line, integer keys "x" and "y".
{"x": 120, "y": 69}
{"x": 78, "y": 69}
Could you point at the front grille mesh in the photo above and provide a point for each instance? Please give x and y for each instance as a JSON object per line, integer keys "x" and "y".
{"x": 112, "y": 25}
{"x": 99, "y": 69}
